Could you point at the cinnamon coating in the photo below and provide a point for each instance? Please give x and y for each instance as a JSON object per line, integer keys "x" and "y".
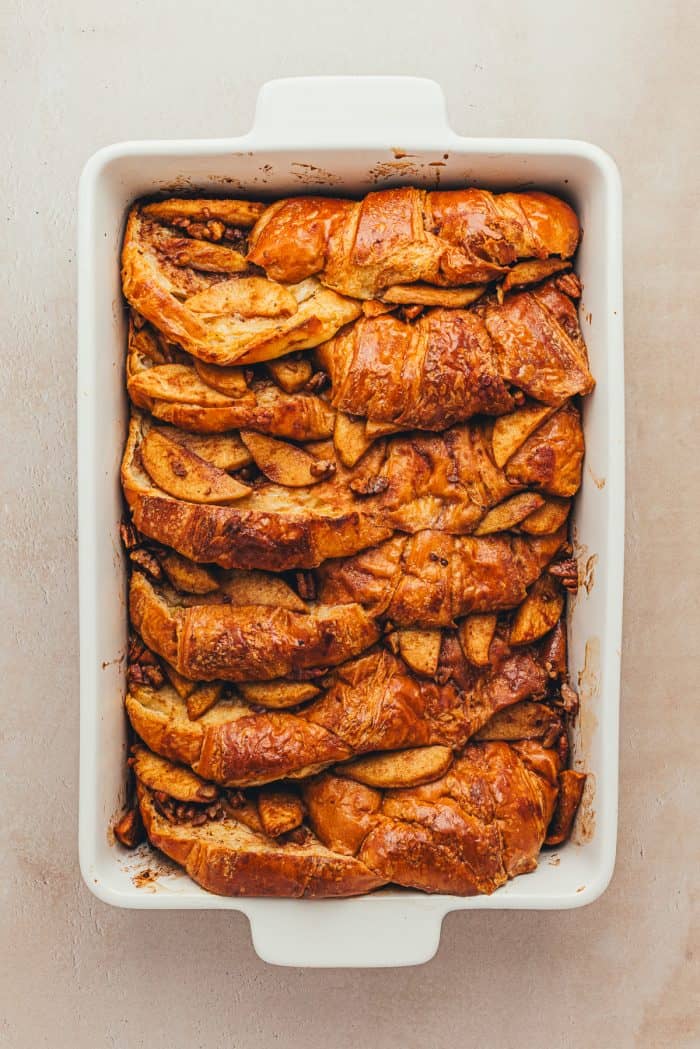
{"x": 399, "y": 236}
{"x": 467, "y": 832}
{"x": 452, "y": 364}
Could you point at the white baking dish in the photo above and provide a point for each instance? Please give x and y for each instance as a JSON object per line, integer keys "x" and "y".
{"x": 346, "y": 135}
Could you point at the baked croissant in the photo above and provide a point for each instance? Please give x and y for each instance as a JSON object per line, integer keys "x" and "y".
{"x": 375, "y": 704}
{"x": 208, "y": 642}
{"x": 467, "y": 831}
{"x": 203, "y": 297}
{"x": 452, "y": 364}
{"x": 399, "y": 236}
{"x": 430, "y": 579}
{"x": 445, "y": 481}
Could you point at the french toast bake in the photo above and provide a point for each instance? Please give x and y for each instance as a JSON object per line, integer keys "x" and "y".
{"x": 354, "y": 444}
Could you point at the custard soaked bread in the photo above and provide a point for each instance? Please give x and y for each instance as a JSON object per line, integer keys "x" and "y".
{"x": 467, "y": 830}
{"x": 354, "y": 445}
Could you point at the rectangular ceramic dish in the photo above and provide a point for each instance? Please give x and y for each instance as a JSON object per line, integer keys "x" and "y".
{"x": 347, "y": 136}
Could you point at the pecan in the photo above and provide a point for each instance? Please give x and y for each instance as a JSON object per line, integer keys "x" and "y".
{"x": 211, "y": 230}
{"x": 563, "y": 749}
{"x": 235, "y": 799}
{"x": 129, "y": 830}
{"x": 306, "y": 586}
{"x": 146, "y": 561}
{"x": 129, "y": 536}
{"x": 322, "y": 468}
{"x": 298, "y": 836}
{"x": 568, "y": 700}
{"x": 369, "y": 485}
{"x": 136, "y": 648}
{"x": 237, "y": 237}
{"x": 317, "y": 382}
{"x": 566, "y": 572}
{"x": 145, "y": 674}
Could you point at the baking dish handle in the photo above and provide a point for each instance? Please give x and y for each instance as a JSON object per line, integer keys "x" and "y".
{"x": 351, "y": 110}
{"x": 347, "y": 933}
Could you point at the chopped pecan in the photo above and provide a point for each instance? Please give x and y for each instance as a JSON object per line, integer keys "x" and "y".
{"x": 135, "y": 649}
{"x": 566, "y": 572}
{"x": 306, "y": 585}
{"x": 129, "y": 535}
{"x": 322, "y": 468}
{"x": 212, "y": 230}
{"x": 145, "y": 674}
{"x": 369, "y": 485}
{"x": 146, "y": 561}
{"x": 317, "y": 382}
{"x": 237, "y": 237}
{"x": 568, "y": 700}
{"x": 298, "y": 836}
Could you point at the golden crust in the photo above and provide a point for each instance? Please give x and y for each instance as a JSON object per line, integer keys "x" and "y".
{"x": 373, "y": 705}
{"x": 152, "y": 288}
{"x": 452, "y": 364}
{"x": 272, "y": 529}
{"x": 223, "y": 642}
{"x": 467, "y": 832}
{"x": 430, "y": 579}
{"x": 404, "y": 236}
{"x": 230, "y": 859}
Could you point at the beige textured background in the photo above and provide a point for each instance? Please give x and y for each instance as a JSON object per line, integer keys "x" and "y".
{"x": 78, "y": 74}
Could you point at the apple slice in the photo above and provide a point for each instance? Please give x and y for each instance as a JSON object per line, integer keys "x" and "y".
{"x": 259, "y": 588}
{"x": 396, "y": 769}
{"x": 291, "y": 375}
{"x": 279, "y": 810}
{"x": 475, "y": 636}
{"x": 549, "y": 518}
{"x": 203, "y": 699}
{"x": 512, "y": 430}
{"x": 182, "y": 474}
{"x": 539, "y": 612}
{"x": 420, "y": 649}
{"x": 350, "y": 439}
{"x": 284, "y": 463}
{"x": 509, "y": 513}
{"x": 228, "y": 380}
{"x": 277, "y": 694}
{"x": 225, "y": 450}
{"x": 427, "y": 295}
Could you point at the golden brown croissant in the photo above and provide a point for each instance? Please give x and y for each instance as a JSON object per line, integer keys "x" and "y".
{"x": 209, "y": 642}
{"x": 399, "y": 236}
{"x": 202, "y": 297}
{"x": 468, "y": 831}
{"x": 447, "y": 481}
{"x": 429, "y": 579}
{"x": 452, "y": 364}
{"x": 374, "y": 704}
